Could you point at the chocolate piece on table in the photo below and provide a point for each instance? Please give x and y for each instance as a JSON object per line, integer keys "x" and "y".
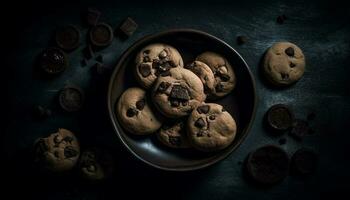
{"x": 67, "y": 37}
{"x": 71, "y": 98}
{"x": 53, "y": 60}
{"x": 101, "y": 35}
{"x": 128, "y": 27}
{"x": 279, "y": 117}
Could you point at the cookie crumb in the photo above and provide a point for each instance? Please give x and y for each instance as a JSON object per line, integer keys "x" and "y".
{"x": 242, "y": 39}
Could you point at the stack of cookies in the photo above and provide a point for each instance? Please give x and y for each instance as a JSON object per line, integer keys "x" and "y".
{"x": 171, "y": 99}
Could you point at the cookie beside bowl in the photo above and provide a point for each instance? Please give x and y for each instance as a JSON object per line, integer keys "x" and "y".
{"x": 190, "y": 43}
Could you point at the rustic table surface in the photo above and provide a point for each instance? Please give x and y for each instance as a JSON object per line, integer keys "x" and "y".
{"x": 321, "y": 29}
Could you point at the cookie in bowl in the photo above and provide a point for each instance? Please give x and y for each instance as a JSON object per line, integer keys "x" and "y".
{"x": 173, "y": 134}
{"x": 211, "y": 127}
{"x": 155, "y": 60}
{"x": 178, "y": 93}
{"x": 225, "y": 78}
{"x": 134, "y": 112}
{"x": 204, "y": 72}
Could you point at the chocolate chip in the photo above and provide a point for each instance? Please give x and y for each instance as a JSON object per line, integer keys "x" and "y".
{"x": 281, "y": 19}
{"x": 163, "y": 86}
{"x": 131, "y": 112}
{"x": 146, "y": 52}
{"x": 203, "y": 109}
{"x": 292, "y": 65}
{"x": 57, "y": 139}
{"x": 289, "y": 51}
{"x": 184, "y": 103}
{"x": 212, "y": 117}
{"x": 175, "y": 140}
{"x": 56, "y": 154}
{"x": 140, "y": 104}
{"x": 224, "y": 77}
{"x": 174, "y": 102}
{"x": 172, "y": 63}
{"x": 199, "y": 123}
{"x": 219, "y": 87}
{"x": 145, "y": 70}
{"x": 179, "y": 92}
{"x": 163, "y": 54}
{"x": 241, "y": 39}
{"x": 284, "y": 76}
{"x": 128, "y": 27}
{"x": 68, "y": 139}
{"x": 70, "y": 152}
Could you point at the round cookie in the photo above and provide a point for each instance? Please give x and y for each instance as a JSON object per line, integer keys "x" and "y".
{"x": 204, "y": 72}
{"x": 58, "y": 152}
{"x": 225, "y": 78}
{"x": 284, "y": 64}
{"x": 173, "y": 135}
{"x": 155, "y": 60}
{"x": 134, "y": 112}
{"x": 177, "y": 94}
{"x": 95, "y": 164}
{"x": 211, "y": 127}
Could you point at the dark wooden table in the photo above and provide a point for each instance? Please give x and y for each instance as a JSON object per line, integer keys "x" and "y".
{"x": 321, "y": 29}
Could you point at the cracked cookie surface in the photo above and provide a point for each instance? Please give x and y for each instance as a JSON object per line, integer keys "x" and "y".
{"x": 135, "y": 114}
{"x": 284, "y": 64}
{"x": 225, "y": 78}
{"x": 177, "y": 94}
{"x": 58, "y": 152}
{"x": 211, "y": 127}
{"x": 156, "y": 60}
{"x": 206, "y": 75}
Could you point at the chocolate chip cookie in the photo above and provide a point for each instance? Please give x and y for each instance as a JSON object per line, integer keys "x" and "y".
{"x": 156, "y": 60}
{"x": 211, "y": 127}
{"x": 177, "y": 94}
{"x": 173, "y": 134}
{"x": 204, "y": 72}
{"x": 96, "y": 164}
{"x": 225, "y": 78}
{"x": 134, "y": 112}
{"x": 284, "y": 64}
{"x": 58, "y": 152}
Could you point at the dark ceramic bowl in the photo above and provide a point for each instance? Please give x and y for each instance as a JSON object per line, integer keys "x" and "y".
{"x": 241, "y": 103}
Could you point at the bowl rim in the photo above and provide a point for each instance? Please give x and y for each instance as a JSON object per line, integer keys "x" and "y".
{"x": 153, "y": 36}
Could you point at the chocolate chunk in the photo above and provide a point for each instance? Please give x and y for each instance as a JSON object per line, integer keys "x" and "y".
{"x": 92, "y": 16}
{"x": 146, "y": 59}
{"x": 57, "y": 139}
{"x": 145, "y": 70}
{"x": 219, "y": 87}
{"x": 68, "y": 37}
{"x": 175, "y": 140}
{"x": 281, "y": 19}
{"x": 212, "y": 117}
{"x": 203, "y": 109}
{"x": 71, "y": 98}
{"x": 68, "y": 139}
{"x": 289, "y": 51}
{"x": 163, "y": 86}
{"x": 174, "y": 103}
{"x": 128, "y": 27}
{"x": 292, "y": 65}
{"x": 53, "y": 60}
{"x": 172, "y": 63}
{"x": 140, "y": 104}
{"x": 300, "y": 128}
{"x": 241, "y": 39}
{"x": 146, "y": 52}
{"x": 101, "y": 35}
{"x": 304, "y": 162}
{"x": 200, "y": 133}
{"x": 279, "y": 117}
{"x": 179, "y": 92}
{"x": 268, "y": 165}
{"x": 131, "y": 112}
{"x": 184, "y": 103}
{"x": 199, "y": 123}
{"x": 224, "y": 77}
{"x": 56, "y": 154}
{"x": 70, "y": 152}
{"x": 163, "y": 54}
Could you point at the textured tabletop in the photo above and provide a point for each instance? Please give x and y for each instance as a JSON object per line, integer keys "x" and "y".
{"x": 321, "y": 30}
